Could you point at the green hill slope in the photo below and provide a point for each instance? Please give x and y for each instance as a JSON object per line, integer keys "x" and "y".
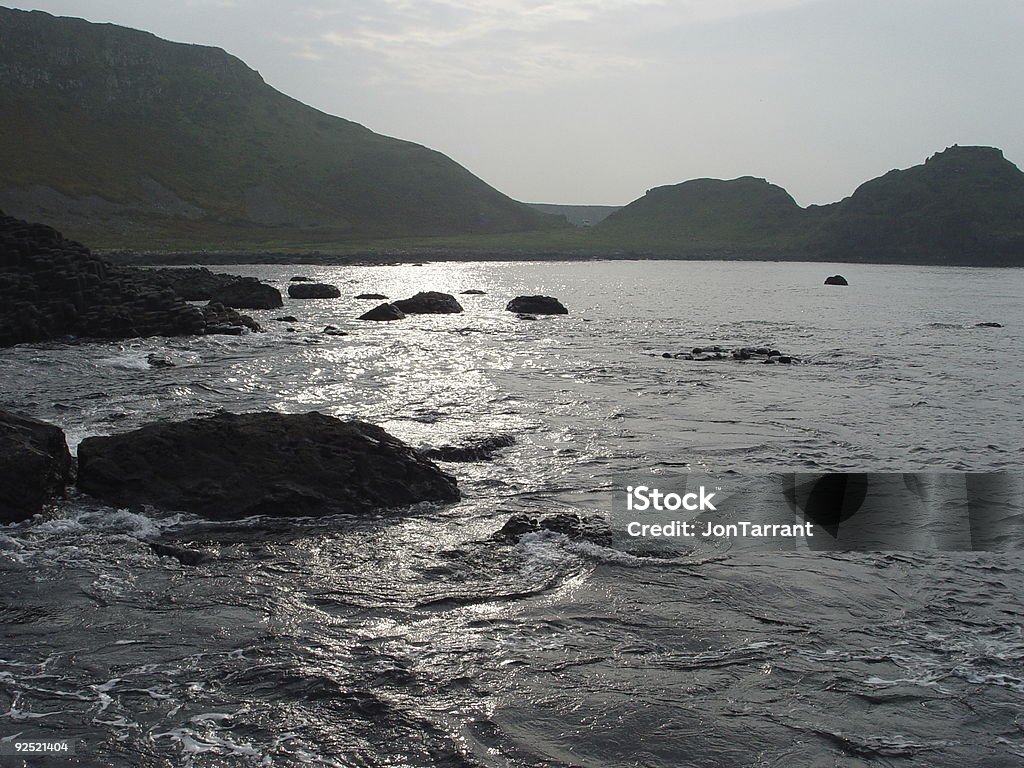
{"x": 707, "y": 215}
{"x": 962, "y": 206}
{"x": 121, "y": 138}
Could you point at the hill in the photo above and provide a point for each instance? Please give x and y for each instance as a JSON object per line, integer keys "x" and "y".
{"x": 737, "y": 217}
{"x": 121, "y": 138}
{"x": 964, "y": 205}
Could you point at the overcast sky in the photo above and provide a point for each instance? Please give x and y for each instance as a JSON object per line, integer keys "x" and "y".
{"x": 595, "y": 101}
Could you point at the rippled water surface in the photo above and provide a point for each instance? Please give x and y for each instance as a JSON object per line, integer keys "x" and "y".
{"x": 414, "y": 640}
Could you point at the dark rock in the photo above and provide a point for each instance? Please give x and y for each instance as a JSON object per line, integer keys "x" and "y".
{"x": 313, "y": 291}
{"x": 183, "y": 555}
{"x": 52, "y": 287}
{"x": 374, "y": 296}
{"x": 988, "y": 325}
{"x": 592, "y": 528}
{"x": 474, "y": 292}
{"x": 286, "y": 319}
{"x": 221, "y": 320}
{"x": 331, "y": 330}
{"x": 249, "y": 293}
{"x": 301, "y": 279}
{"x": 523, "y": 316}
{"x": 237, "y": 465}
{"x": 34, "y": 466}
{"x": 383, "y": 312}
{"x": 482, "y": 449}
{"x": 537, "y": 305}
{"x": 192, "y": 283}
{"x": 836, "y": 280}
{"x": 429, "y": 303}
{"x": 158, "y": 361}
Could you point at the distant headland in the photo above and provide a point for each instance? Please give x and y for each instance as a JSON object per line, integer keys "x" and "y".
{"x": 165, "y": 152}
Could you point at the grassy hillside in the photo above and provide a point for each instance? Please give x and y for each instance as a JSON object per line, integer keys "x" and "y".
{"x": 963, "y": 205}
{"x": 121, "y": 138}
{"x": 739, "y": 216}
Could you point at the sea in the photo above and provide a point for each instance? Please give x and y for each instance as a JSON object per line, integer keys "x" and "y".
{"x": 414, "y": 638}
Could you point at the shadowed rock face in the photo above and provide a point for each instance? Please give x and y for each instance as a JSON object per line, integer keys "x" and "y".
{"x": 249, "y": 293}
{"x": 230, "y": 466}
{"x": 34, "y": 466}
{"x": 537, "y": 305}
{"x": 430, "y": 303}
{"x": 383, "y": 313}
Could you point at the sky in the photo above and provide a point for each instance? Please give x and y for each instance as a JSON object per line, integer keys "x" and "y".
{"x": 596, "y": 101}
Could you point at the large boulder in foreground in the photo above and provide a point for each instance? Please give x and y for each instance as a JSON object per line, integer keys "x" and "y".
{"x": 34, "y": 466}
{"x": 231, "y": 466}
{"x": 313, "y": 291}
{"x": 537, "y": 305}
{"x": 429, "y": 303}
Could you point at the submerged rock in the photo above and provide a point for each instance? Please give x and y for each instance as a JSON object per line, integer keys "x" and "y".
{"x": 482, "y": 449}
{"x": 429, "y": 303}
{"x": 332, "y": 330}
{"x": 35, "y": 466}
{"x": 592, "y": 528}
{"x": 313, "y": 291}
{"x": 301, "y": 279}
{"x": 225, "y": 321}
{"x": 374, "y": 296}
{"x": 383, "y": 313}
{"x": 536, "y": 305}
{"x": 740, "y": 354}
{"x": 836, "y": 280}
{"x": 988, "y": 325}
{"x": 474, "y": 292}
{"x": 231, "y": 466}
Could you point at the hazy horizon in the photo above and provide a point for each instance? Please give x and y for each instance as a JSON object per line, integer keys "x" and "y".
{"x": 592, "y": 102}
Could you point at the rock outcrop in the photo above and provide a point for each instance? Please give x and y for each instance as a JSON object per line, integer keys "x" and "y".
{"x": 429, "y": 303}
{"x": 313, "y": 291}
{"x": 383, "y": 313}
{"x": 51, "y": 287}
{"x": 536, "y": 305}
{"x": 34, "y": 466}
{"x": 231, "y": 466}
{"x": 592, "y": 528}
{"x": 249, "y": 293}
{"x": 482, "y": 449}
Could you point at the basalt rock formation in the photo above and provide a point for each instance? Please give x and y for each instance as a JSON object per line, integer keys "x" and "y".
{"x": 34, "y": 466}
{"x": 232, "y": 466}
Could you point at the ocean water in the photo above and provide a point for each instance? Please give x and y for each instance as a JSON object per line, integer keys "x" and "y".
{"x": 413, "y": 639}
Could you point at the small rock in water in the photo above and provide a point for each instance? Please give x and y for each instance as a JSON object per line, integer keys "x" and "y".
{"x": 383, "y": 313}
{"x": 376, "y": 296}
{"x": 482, "y": 449}
{"x": 988, "y": 325}
{"x": 474, "y": 292}
{"x": 536, "y": 305}
{"x": 592, "y": 528}
{"x": 429, "y": 303}
{"x": 287, "y": 319}
{"x": 331, "y": 330}
{"x": 301, "y": 279}
{"x": 313, "y": 291}
{"x": 524, "y": 316}
{"x": 836, "y": 280}
{"x": 158, "y": 361}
